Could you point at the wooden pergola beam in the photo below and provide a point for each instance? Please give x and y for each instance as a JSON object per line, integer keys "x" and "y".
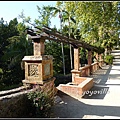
{"x": 48, "y": 33}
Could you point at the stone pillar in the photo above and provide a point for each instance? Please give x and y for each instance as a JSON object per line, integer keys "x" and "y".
{"x": 39, "y": 67}
{"x": 76, "y": 72}
{"x": 89, "y": 57}
{"x": 100, "y": 60}
{"x": 39, "y": 47}
{"x": 97, "y": 57}
{"x": 76, "y": 59}
{"x": 90, "y": 61}
{"x": 100, "y": 57}
{"x": 97, "y": 60}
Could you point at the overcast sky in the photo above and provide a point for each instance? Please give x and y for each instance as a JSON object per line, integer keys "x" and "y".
{"x": 11, "y": 9}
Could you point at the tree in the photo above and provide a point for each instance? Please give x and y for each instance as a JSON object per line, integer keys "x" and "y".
{"x": 64, "y": 16}
{"x": 15, "y": 48}
{"x": 56, "y": 11}
{"x": 97, "y": 21}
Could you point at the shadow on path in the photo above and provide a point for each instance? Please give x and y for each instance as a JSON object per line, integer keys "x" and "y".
{"x": 70, "y": 107}
{"x": 73, "y": 108}
{"x": 102, "y": 75}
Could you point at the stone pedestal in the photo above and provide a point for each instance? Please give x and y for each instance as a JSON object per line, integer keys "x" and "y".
{"x": 75, "y": 73}
{"x": 38, "y": 69}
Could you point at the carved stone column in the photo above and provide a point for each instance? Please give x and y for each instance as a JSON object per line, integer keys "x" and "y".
{"x": 39, "y": 47}
{"x": 76, "y": 72}
{"x": 100, "y": 60}
{"x": 97, "y": 57}
{"x": 76, "y": 59}
{"x": 89, "y": 57}
{"x": 39, "y": 67}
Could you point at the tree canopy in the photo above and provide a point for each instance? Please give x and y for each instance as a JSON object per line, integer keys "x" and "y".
{"x": 97, "y": 23}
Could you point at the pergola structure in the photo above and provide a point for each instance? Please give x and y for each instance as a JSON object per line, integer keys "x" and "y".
{"x": 39, "y": 68}
{"x": 48, "y": 33}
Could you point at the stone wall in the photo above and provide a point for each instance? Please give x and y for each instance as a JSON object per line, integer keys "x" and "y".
{"x": 50, "y": 88}
{"x": 15, "y": 104}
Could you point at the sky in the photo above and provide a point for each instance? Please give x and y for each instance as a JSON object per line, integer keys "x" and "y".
{"x": 12, "y": 9}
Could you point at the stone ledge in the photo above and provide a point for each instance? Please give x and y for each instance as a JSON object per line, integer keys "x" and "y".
{"x": 37, "y": 58}
{"x": 85, "y": 82}
{"x": 38, "y": 82}
{"x": 6, "y": 92}
{"x": 13, "y": 95}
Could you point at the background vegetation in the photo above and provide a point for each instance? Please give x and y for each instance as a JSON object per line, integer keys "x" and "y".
{"x": 96, "y": 23}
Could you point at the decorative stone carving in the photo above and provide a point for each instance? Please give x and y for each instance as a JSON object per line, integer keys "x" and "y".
{"x": 33, "y": 70}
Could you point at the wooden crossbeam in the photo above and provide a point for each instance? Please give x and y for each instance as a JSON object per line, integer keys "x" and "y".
{"x": 48, "y": 33}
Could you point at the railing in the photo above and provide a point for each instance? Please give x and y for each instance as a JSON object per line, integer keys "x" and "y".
{"x": 89, "y": 69}
{"x": 85, "y": 71}
{"x": 94, "y": 67}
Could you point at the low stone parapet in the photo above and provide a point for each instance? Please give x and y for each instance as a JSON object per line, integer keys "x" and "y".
{"x": 85, "y": 71}
{"x": 78, "y": 87}
{"x": 94, "y": 67}
{"x": 14, "y": 102}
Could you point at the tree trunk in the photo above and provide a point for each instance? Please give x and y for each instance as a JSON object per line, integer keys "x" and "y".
{"x": 70, "y": 46}
{"x": 62, "y": 44}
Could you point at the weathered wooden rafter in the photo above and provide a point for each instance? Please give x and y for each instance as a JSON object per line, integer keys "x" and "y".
{"x": 48, "y": 33}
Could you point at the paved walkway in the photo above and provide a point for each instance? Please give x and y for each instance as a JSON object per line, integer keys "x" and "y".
{"x": 102, "y": 101}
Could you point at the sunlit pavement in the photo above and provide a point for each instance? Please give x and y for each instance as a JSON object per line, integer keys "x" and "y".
{"x": 102, "y": 101}
{"x": 112, "y": 95}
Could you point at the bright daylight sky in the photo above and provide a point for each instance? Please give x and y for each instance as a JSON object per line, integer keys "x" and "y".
{"x": 11, "y": 9}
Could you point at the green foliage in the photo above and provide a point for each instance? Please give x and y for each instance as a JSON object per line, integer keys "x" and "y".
{"x": 44, "y": 16}
{"x": 42, "y": 103}
{"x": 109, "y": 59}
{"x": 83, "y": 57}
{"x": 62, "y": 79}
{"x": 54, "y": 49}
{"x": 13, "y": 47}
{"x": 8, "y": 87}
{"x": 98, "y": 21}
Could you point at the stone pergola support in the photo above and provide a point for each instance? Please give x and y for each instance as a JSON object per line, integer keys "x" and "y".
{"x": 89, "y": 57}
{"x": 100, "y": 60}
{"x": 39, "y": 47}
{"x": 76, "y": 71}
{"x": 97, "y": 57}
{"x": 90, "y": 62}
{"x": 39, "y": 68}
{"x": 76, "y": 59}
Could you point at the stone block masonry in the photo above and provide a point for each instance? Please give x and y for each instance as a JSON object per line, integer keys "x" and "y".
{"x": 14, "y": 103}
{"x": 78, "y": 87}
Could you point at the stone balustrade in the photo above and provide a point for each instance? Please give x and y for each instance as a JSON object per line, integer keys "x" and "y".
{"x": 94, "y": 67}
{"x": 85, "y": 71}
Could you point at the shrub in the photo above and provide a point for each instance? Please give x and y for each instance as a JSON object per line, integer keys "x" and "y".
{"x": 42, "y": 102}
{"x": 109, "y": 59}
